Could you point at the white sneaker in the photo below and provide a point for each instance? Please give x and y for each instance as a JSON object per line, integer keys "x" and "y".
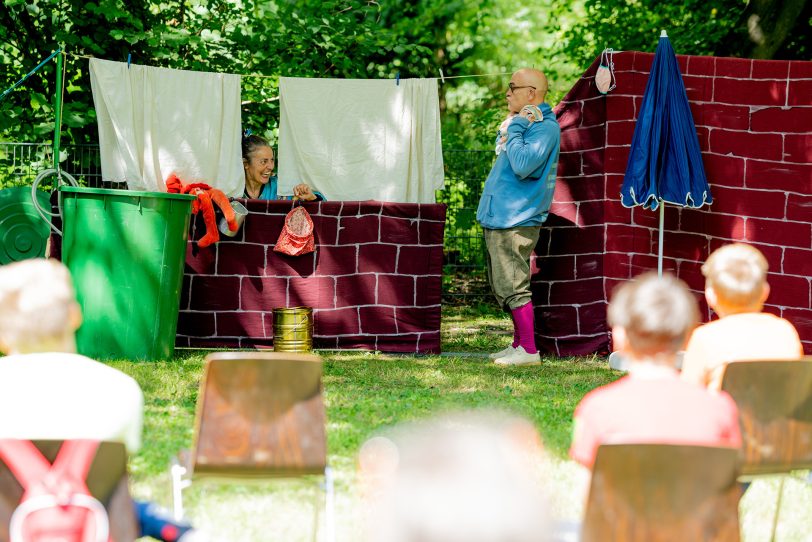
{"x": 502, "y": 353}
{"x": 520, "y": 357}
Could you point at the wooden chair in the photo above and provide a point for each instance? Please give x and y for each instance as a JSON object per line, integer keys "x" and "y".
{"x": 106, "y": 480}
{"x": 259, "y": 415}
{"x": 660, "y": 492}
{"x": 775, "y": 416}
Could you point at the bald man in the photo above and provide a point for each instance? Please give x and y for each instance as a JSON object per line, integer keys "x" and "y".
{"x": 515, "y": 203}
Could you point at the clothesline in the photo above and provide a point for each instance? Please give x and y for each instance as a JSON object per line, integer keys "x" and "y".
{"x": 260, "y": 75}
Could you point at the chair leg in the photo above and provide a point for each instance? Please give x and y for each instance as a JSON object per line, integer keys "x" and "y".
{"x": 329, "y": 506}
{"x": 178, "y": 484}
{"x": 777, "y": 509}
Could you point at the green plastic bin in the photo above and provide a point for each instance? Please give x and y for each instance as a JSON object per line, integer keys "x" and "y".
{"x": 125, "y": 251}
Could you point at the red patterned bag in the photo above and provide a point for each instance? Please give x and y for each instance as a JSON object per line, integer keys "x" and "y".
{"x": 297, "y": 234}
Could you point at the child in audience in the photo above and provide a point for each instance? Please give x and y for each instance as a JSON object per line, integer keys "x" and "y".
{"x": 466, "y": 477}
{"x": 55, "y": 393}
{"x": 736, "y": 289}
{"x": 651, "y": 318}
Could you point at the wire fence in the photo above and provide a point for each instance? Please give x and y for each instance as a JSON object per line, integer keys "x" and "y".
{"x": 464, "y": 280}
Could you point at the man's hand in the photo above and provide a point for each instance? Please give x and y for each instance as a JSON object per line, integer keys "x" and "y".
{"x": 532, "y": 113}
{"x": 303, "y": 192}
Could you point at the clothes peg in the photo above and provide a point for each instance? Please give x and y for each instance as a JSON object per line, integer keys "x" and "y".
{"x": 397, "y": 79}
{"x": 129, "y": 57}
{"x": 442, "y": 77}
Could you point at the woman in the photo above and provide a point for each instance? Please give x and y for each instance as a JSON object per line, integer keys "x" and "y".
{"x": 260, "y": 182}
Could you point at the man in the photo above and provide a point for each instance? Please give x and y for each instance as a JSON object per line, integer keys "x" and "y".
{"x": 55, "y": 393}
{"x": 514, "y": 205}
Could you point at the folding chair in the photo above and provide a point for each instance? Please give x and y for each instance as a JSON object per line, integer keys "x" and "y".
{"x": 662, "y": 492}
{"x": 106, "y": 481}
{"x": 259, "y": 415}
{"x": 775, "y": 415}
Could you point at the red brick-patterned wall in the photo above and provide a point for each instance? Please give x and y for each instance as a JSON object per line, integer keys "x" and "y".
{"x": 754, "y": 123}
{"x": 374, "y": 281}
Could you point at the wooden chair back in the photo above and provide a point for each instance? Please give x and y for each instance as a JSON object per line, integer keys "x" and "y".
{"x": 106, "y": 481}
{"x": 660, "y": 493}
{"x": 775, "y": 413}
{"x": 260, "y": 414}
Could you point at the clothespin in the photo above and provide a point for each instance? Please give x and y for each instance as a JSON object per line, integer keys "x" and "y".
{"x": 442, "y": 77}
{"x": 129, "y": 57}
{"x": 397, "y": 79}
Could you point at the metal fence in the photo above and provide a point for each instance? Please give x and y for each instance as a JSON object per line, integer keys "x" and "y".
{"x": 464, "y": 278}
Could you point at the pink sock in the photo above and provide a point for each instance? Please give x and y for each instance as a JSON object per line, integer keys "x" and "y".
{"x": 515, "y": 331}
{"x": 524, "y": 324}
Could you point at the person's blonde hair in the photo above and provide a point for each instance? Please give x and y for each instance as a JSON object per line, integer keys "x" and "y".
{"x": 656, "y": 313}
{"x": 737, "y": 273}
{"x": 36, "y": 301}
{"x": 462, "y": 477}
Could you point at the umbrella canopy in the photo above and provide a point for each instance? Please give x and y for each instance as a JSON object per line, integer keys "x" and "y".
{"x": 665, "y": 163}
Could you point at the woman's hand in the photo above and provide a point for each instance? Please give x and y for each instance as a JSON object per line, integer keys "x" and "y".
{"x": 303, "y": 192}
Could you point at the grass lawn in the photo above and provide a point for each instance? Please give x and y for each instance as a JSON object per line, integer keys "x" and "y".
{"x": 367, "y": 391}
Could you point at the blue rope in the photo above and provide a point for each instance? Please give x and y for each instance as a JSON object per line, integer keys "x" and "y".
{"x": 32, "y": 72}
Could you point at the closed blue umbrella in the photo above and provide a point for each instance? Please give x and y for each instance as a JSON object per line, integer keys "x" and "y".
{"x": 665, "y": 164}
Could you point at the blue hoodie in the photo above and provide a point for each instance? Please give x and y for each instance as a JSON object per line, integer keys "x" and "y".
{"x": 519, "y": 188}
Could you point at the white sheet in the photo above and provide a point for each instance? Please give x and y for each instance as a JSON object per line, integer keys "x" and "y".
{"x": 361, "y": 139}
{"x": 155, "y": 121}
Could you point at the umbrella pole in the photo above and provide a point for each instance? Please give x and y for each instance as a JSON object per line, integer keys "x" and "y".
{"x": 660, "y": 243}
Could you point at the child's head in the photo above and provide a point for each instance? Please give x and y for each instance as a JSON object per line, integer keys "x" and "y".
{"x": 652, "y": 317}
{"x": 38, "y": 309}
{"x": 470, "y": 477}
{"x": 736, "y": 279}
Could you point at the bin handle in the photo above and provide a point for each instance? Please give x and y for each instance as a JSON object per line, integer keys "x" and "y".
{"x": 42, "y": 213}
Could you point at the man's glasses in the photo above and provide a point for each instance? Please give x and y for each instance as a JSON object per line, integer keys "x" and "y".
{"x": 514, "y": 88}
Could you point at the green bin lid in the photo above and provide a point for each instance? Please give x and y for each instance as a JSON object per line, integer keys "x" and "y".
{"x": 23, "y": 232}
{"x": 124, "y": 193}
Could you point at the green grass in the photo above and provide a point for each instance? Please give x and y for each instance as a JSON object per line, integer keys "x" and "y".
{"x": 365, "y": 392}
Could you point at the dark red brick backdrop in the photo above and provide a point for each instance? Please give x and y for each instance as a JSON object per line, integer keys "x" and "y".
{"x": 374, "y": 281}
{"x": 754, "y": 123}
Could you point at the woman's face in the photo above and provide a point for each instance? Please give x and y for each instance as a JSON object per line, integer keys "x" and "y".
{"x": 259, "y": 167}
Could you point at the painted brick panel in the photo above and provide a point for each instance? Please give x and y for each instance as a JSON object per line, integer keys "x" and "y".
{"x": 397, "y": 290}
{"x": 592, "y": 162}
{"x": 698, "y": 89}
{"x": 583, "y": 138}
{"x": 198, "y": 324}
{"x": 789, "y": 291}
{"x": 778, "y": 175}
{"x": 592, "y": 318}
{"x": 701, "y": 65}
{"x": 723, "y": 226}
{"x": 628, "y": 239}
{"x": 617, "y": 266}
{"x": 378, "y": 258}
{"x": 579, "y": 291}
{"x": 797, "y": 262}
{"x": 377, "y": 320}
{"x": 282, "y": 265}
{"x": 581, "y": 189}
{"x": 749, "y": 92}
{"x": 794, "y": 234}
{"x": 185, "y": 288}
{"x": 798, "y": 148}
{"x": 431, "y": 233}
{"x": 415, "y": 320}
{"x": 210, "y": 293}
{"x": 557, "y": 321}
{"x": 691, "y": 273}
{"x": 619, "y": 108}
{"x": 340, "y": 260}
{"x": 262, "y": 228}
{"x": 782, "y": 119}
{"x": 356, "y": 290}
{"x": 732, "y": 117}
{"x": 312, "y": 292}
{"x": 413, "y": 260}
{"x": 770, "y": 69}
{"x": 428, "y": 290}
{"x": 643, "y": 264}
{"x": 240, "y": 259}
{"x": 588, "y": 266}
{"x": 577, "y": 240}
{"x": 758, "y": 203}
{"x": 569, "y": 114}
{"x": 360, "y": 229}
{"x": 616, "y": 159}
{"x": 733, "y": 67}
{"x": 800, "y": 92}
{"x": 398, "y": 230}
{"x": 799, "y": 69}
{"x": 590, "y": 213}
{"x": 620, "y": 133}
{"x": 685, "y": 246}
{"x": 555, "y": 268}
{"x": 593, "y": 113}
{"x": 724, "y": 170}
{"x": 240, "y": 324}
{"x": 325, "y": 229}
{"x": 200, "y": 261}
{"x": 802, "y": 320}
{"x": 336, "y": 322}
{"x": 799, "y": 207}
{"x": 765, "y": 146}
{"x": 263, "y": 293}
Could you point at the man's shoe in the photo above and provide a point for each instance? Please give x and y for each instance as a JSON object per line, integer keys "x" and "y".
{"x": 519, "y": 357}
{"x": 502, "y": 353}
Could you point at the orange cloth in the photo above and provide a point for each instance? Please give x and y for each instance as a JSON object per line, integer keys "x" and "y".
{"x": 749, "y": 336}
{"x": 206, "y": 197}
